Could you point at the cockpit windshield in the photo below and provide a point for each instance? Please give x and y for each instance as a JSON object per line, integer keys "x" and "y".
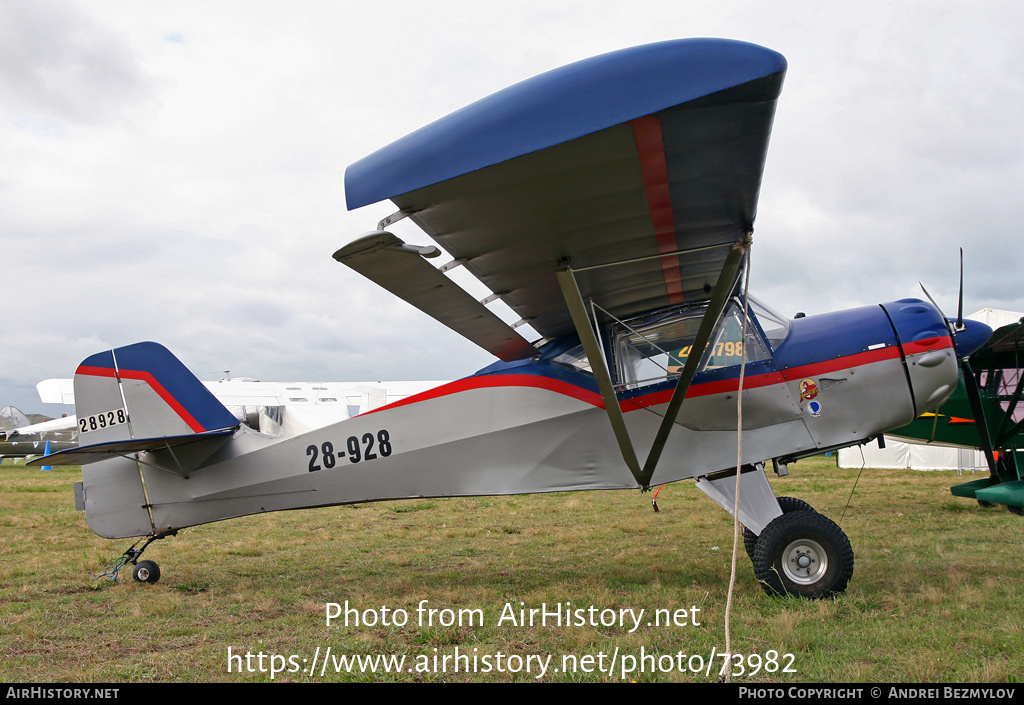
{"x": 652, "y": 348}
{"x": 774, "y": 325}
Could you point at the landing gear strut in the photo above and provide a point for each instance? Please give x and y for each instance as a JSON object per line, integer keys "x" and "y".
{"x": 145, "y": 571}
{"x": 787, "y": 505}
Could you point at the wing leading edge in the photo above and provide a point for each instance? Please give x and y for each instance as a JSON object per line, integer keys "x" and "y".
{"x": 639, "y": 169}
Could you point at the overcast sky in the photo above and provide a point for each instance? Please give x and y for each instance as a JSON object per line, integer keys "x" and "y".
{"x": 173, "y": 171}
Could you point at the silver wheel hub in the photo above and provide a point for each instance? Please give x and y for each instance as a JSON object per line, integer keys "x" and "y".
{"x": 804, "y": 561}
{"x": 143, "y": 574}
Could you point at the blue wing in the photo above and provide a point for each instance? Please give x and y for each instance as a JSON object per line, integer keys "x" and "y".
{"x": 639, "y": 168}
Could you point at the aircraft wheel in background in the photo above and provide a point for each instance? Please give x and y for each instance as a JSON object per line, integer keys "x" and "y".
{"x": 787, "y": 504}
{"x": 803, "y": 553}
{"x": 146, "y": 572}
{"x": 1015, "y": 510}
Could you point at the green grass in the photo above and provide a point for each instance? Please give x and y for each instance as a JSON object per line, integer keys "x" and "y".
{"x": 936, "y": 594}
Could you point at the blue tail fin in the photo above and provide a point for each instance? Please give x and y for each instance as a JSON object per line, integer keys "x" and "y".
{"x": 143, "y": 391}
{"x": 133, "y": 400}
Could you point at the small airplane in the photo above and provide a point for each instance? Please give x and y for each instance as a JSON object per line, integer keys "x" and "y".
{"x": 20, "y": 437}
{"x": 985, "y": 412}
{"x": 610, "y": 203}
{"x": 280, "y": 409}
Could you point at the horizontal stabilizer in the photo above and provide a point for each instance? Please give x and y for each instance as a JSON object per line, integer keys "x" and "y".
{"x": 83, "y": 455}
{"x": 386, "y": 260}
{"x": 56, "y": 391}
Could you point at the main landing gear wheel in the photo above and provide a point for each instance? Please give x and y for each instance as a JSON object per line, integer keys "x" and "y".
{"x": 787, "y": 504}
{"x": 803, "y": 553}
{"x": 146, "y": 572}
{"x": 1015, "y": 510}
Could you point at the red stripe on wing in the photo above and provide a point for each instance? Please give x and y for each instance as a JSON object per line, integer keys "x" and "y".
{"x": 650, "y": 146}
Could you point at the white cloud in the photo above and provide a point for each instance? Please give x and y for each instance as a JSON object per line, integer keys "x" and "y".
{"x": 175, "y": 171}
{"x": 61, "y": 63}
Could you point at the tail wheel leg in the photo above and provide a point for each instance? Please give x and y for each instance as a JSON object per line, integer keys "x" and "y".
{"x": 146, "y": 571}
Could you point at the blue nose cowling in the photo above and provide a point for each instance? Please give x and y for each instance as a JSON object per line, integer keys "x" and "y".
{"x": 973, "y": 336}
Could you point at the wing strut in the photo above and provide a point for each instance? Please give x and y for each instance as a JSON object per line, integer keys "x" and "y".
{"x": 719, "y": 298}
{"x": 599, "y": 366}
{"x": 602, "y": 375}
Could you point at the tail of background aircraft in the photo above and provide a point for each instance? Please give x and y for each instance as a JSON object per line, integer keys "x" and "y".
{"x": 10, "y": 419}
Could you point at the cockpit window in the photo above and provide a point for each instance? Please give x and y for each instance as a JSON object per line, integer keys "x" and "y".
{"x": 576, "y": 358}
{"x": 773, "y": 323}
{"x": 653, "y": 348}
{"x": 728, "y": 347}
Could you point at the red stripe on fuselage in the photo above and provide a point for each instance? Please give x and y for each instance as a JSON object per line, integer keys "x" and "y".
{"x": 650, "y": 146}
{"x": 768, "y": 378}
{"x": 916, "y": 347}
{"x": 655, "y": 398}
{"x": 499, "y": 380}
{"x": 149, "y": 379}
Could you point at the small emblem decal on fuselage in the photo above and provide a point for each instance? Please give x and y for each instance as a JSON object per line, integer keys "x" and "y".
{"x": 814, "y": 409}
{"x": 808, "y": 389}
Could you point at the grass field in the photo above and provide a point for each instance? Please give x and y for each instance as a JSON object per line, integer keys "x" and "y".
{"x": 936, "y": 596}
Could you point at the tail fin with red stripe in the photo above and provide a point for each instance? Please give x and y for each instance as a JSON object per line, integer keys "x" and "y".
{"x": 143, "y": 391}
{"x": 134, "y": 401}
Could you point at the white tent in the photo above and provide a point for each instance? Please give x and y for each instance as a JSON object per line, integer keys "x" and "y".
{"x": 919, "y": 456}
{"x": 994, "y": 318}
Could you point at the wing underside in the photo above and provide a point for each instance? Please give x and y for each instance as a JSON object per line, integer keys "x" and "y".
{"x": 383, "y": 258}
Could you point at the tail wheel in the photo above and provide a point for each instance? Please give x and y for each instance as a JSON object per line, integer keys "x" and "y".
{"x": 803, "y": 553}
{"x": 146, "y": 572}
{"x": 787, "y": 504}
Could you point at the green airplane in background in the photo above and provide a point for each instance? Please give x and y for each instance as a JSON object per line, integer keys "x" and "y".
{"x": 985, "y": 412}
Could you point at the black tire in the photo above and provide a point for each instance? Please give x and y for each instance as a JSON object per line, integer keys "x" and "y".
{"x": 146, "y": 572}
{"x": 792, "y": 504}
{"x": 787, "y": 504}
{"x": 1015, "y": 510}
{"x": 985, "y": 505}
{"x": 749, "y": 542}
{"x": 803, "y": 553}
